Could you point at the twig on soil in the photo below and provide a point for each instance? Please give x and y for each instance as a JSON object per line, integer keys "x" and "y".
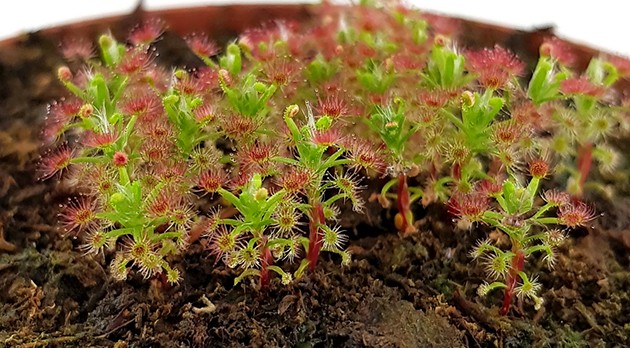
{"x": 116, "y": 322}
{"x": 97, "y": 296}
{"x": 7, "y": 181}
{"x": 46, "y": 341}
{"x": 539, "y": 315}
{"x": 4, "y": 266}
{"x": 477, "y": 313}
{"x": 4, "y": 245}
{"x": 27, "y": 193}
{"x": 579, "y": 306}
{"x": 446, "y": 310}
{"x": 104, "y": 335}
{"x": 207, "y": 309}
{"x": 37, "y": 227}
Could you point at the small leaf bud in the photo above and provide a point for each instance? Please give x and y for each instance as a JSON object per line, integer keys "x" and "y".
{"x": 181, "y": 74}
{"x": 324, "y": 123}
{"x": 468, "y": 99}
{"x": 172, "y": 276}
{"x": 286, "y": 279}
{"x": 224, "y": 77}
{"x": 105, "y": 41}
{"x": 391, "y": 125}
{"x": 116, "y": 198}
{"x": 261, "y": 194}
{"x": 171, "y": 99}
{"x": 441, "y": 40}
{"x": 120, "y": 159}
{"x": 291, "y": 111}
{"x": 483, "y": 289}
{"x": 538, "y": 168}
{"x": 86, "y": 111}
{"x": 64, "y": 74}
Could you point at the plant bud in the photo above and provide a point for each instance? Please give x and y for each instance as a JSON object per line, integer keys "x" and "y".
{"x": 181, "y": 74}
{"x": 224, "y": 75}
{"x": 105, "y": 41}
{"x": 116, "y": 198}
{"x": 260, "y": 87}
{"x": 391, "y": 125}
{"x": 538, "y": 302}
{"x": 383, "y": 201}
{"x": 483, "y": 289}
{"x": 468, "y": 99}
{"x": 538, "y": 168}
{"x": 64, "y": 74}
{"x": 171, "y": 99}
{"x": 86, "y": 110}
{"x": 389, "y": 64}
{"x": 398, "y": 221}
{"x": 440, "y": 40}
{"x": 286, "y": 279}
{"x": 118, "y": 267}
{"x": 195, "y": 103}
{"x": 346, "y": 257}
{"x": 261, "y": 194}
{"x": 545, "y": 49}
{"x": 323, "y": 124}
{"x": 291, "y": 111}
{"x": 172, "y": 276}
{"x": 233, "y": 49}
{"x": 120, "y": 159}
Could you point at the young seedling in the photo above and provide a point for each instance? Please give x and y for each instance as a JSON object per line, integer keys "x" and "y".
{"x": 262, "y": 232}
{"x": 391, "y": 124}
{"x": 145, "y": 211}
{"x": 319, "y": 159}
{"x": 585, "y": 119}
{"x": 516, "y": 215}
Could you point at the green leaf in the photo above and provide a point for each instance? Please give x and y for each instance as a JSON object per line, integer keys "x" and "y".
{"x": 545, "y": 83}
{"x": 601, "y": 72}
{"x": 486, "y": 288}
{"x": 445, "y": 68}
{"x": 117, "y": 233}
{"x": 510, "y": 198}
{"x": 99, "y": 91}
{"x": 319, "y": 70}
{"x": 530, "y": 195}
{"x": 246, "y": 273}
{"x": 285, "y": 277}
{"x": 230, "y": 197}
{"x": 110, "y": 50}
{"x": 232, "y": 60}
{"x": 117, "y": 86}
{"x": 299, "y": 273}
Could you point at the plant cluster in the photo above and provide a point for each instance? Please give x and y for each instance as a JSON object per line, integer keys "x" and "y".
{"x": 280, "y": 129}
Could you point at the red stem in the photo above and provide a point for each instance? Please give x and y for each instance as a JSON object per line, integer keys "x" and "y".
{"x": 457, "y": 171}
{"x": 404, "y": 203}
{"x": 266, "y": 261}
{"x": 433, "y": 172}
{"x": 161, "y": 278}
{"x": 584, "y": 161}
{"x": 495, "y": 167}
{"x": 314, "y": 237}
{"x": 518, "y": 261}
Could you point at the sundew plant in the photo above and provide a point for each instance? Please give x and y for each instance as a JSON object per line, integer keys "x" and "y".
{"x": 257, "y": 151}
